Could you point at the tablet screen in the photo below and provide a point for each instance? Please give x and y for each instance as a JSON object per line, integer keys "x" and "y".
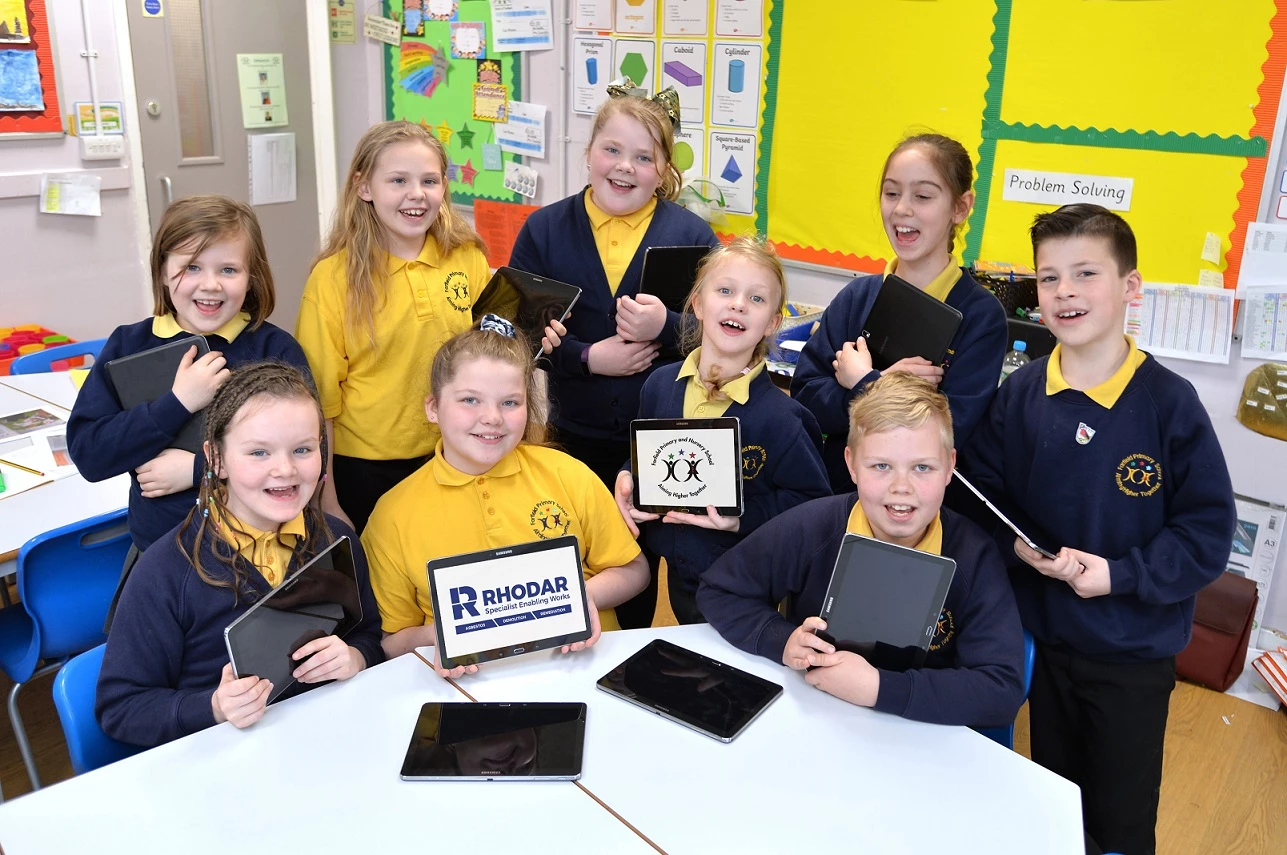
{"x": 503, "y": 602}
{"x": 529, "y": 302}
{"x": 487, "y": 741}
{"x": 691, "y": 689}
{"x": 687, "y": 464}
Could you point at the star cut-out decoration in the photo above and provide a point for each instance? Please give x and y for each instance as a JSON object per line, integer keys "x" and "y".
{"x": 442, "y": 64}
{"x": 444, "y": 132}
{"x": 466, "y": 136}
{"x": 453, "y": 172}
{"x": 468, "y": 173}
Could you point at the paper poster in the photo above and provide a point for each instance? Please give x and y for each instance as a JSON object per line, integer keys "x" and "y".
{"x": 1255, "y": 553}
{"x": 14, "y": 27}
{"x": 592, "y": 14}
{"x": 468, "y": 40}
{"x": 498, "y": 224}
{"x": 382, "y": 29}
{"x": 521, "y": 179}
{"x": 491, "y": 102}
{"x": 440, "y": 10}
{"x": 637, "y": 17}
{"x": 413, "y": 18}
{"x": 522, "y": 25}
{"x": 109, "y": 110}
{"x": 1264, "y": 258}
{"x": 524, "y": 133}
{"x": 690, "y": 151}
{"x": 20, "y": 82}
{"x": 685, "y": 17}
{"x": 591, "y": 73}
{"x": 78, "y": 193}
{"x": 1264, "y": 330}
{"x": 272, "y": 168}
{"x": 1183, "y": 321}
{"x": 683, "y": 65}
{"x": 261, "y": 80}
{"x": 1042, "y": 187}
{"x": 731, "y": 165}
{"x": 741, "y": 18}
{"x": 343, "y": 21}
{"x": 735, "y": 89}
{"x": 633, "y": 58}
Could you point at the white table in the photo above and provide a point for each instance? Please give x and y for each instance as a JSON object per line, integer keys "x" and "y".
{"x": 813, "y": 773}
{"x": 319, "y": 773}
{"x": 54, "y": 387}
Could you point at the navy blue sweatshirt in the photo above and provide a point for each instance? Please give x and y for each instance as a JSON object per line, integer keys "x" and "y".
{"x": 105, "y": 441}
{"x": 973, "y": 364}
{"x": 166, "y": 652}
{"x": 558, "y": 241}
{"x": 781, "y": 468}
{"x": 1165, "y": 531}
{"x": 973, "y": 674}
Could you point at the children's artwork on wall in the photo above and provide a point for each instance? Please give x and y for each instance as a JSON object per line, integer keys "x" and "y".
{"x": 449, "y": 79}
{"x": 28, "y": 84}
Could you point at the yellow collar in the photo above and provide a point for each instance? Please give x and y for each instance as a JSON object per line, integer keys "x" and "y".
{"x": 941, "y": 285}
{"x": 1106, "y": 393}
{"x": 738, "y": 389}
{"x": 268, "y": 551}
{"x": 167, "y": 326}
{"x": 599, "y": 218}
{"x": 429, "y": 255}
{"x": 449, "y": 476}
{"x": 931, "y": 541}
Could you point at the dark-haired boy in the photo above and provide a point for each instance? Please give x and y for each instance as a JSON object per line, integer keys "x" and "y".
{"x": 1114, "y": 456}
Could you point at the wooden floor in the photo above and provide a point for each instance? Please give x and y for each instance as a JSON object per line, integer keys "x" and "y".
{"x": 1224, "y": 786}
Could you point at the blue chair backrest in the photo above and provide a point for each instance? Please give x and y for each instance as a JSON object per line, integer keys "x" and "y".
{"x": 35, "y": 363}
{"x": 74, "y": 690}
{"x": 66, "y": 579}
{"x": 1005, "y": 735}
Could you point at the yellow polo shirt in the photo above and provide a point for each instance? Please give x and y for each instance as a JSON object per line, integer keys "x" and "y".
{"x": 438, "y": 511}
{"x": 696, "y": 406}
{"x": 1106, "y": 393}
{"x": 375, "y": 393}
{"x": 931, "y": 541}
{"x": 942, "y": 284}
{"x": 167, "y": 326}
{"x": 618, "y": 238}
{"x": 269, "y": 551}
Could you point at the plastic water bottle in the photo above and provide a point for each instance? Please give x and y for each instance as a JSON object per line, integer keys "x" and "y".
{"x": 1014, "y": 360}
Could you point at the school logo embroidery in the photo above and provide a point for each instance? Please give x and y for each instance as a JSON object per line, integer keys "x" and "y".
{"x": 944, "y": 632}
{"x": 753, "y": 459}
{"x": 679, "y": 466}
{"x": 456, "y": 287}
{"x": 549, "y": 519}
{"x": 1139, "y": 475}
{"x": 1085, "y": 433}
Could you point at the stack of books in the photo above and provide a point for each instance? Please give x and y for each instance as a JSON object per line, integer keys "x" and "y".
{"x": 1272, "y": 665}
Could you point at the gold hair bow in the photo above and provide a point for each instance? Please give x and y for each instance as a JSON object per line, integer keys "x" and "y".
{"x": 667, "y": 99}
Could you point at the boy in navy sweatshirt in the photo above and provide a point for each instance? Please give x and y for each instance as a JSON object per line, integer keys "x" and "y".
{"x": 900, "y": 457}
{"x": 1114, "y": 456}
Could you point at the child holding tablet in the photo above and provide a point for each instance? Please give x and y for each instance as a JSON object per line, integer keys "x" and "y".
{"x": 166, "y": 672}
{"x": 737, "y": 300}
{"x": 925, "y": 198}
{"x": 900, "y": 457}
{"x": 491, "y": 483}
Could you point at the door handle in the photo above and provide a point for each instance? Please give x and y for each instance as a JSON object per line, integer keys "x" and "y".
{"x": 167, "y": 187}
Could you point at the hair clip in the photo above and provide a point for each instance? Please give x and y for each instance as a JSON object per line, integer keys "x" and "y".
{"x": 667, "y": 99}
{"x": 496, "y": 324}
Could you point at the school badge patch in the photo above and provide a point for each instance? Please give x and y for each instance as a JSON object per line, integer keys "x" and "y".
{"x": 1085, "y": 433}
{"x": 456, "y": 287}
{"x": 548, "y": 519}
{"x": 945, "y": 631}
{"x": 1139, "y": 476}
{"x": 753, "y": 459}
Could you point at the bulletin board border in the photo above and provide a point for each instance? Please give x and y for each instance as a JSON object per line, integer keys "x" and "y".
{"x": 49, "y": 123}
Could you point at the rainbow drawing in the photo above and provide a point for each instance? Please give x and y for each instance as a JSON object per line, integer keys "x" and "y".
{"x": 421, "y": 68}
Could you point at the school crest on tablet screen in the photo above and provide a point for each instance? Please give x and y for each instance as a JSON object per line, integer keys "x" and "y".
{"x": 677, "y": 468}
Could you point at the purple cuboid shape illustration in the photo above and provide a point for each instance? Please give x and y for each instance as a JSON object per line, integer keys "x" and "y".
{"x": 731, "y": 173}
{"x": 682, "y": 73}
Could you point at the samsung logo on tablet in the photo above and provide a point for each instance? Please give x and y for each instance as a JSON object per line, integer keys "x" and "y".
{"x": 464, "y": 598}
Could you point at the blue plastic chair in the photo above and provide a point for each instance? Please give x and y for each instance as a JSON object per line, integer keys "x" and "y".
{"x": 41, "y": 360}
{"x": 1005, "y": 735}
{"x": 74, "y": 690}
{"x": 66, "y": 578}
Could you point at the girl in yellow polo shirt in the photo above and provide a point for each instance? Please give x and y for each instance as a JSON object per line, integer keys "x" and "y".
{"x": 398, "y": 277}
{"x": 492, "y": 483}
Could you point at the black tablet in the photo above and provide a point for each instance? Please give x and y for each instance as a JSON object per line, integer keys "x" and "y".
{"x": 319, "y": 599}
{"x": 669, "y": 273}
{"x": 496, "y": 742}
{"x": 884, "y": 601}
{"x": 142, "y": 377}
{"x": 503, "y": 602}
{"x": 691, "y": 689}
{"x": 687, "y": 464}
{"x": 905, "y": 321}
{"x": 1035, "y": 541}
{"x": 528, "y": 301}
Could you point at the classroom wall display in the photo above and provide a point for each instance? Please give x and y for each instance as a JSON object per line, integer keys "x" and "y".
{"x": 447, "y": 75}
{"x": 28, "y": 82}
{"x": 717, "y": 54}
{"x": 1164, "y": 109}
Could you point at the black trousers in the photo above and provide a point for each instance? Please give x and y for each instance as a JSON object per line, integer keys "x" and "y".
{"x": 605, "y": 458}
{"x": 359, "y": 483}
{"x": 1101, "y": 725}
